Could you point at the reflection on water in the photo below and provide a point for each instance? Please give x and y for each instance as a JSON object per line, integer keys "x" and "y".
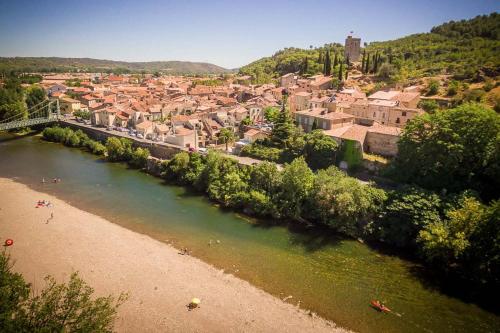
{"x": 333, "y": 277}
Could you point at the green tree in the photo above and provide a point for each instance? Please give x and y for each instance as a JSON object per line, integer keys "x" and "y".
{"x": 386, "y": 71}
{"x": 266, "y": 177}
{"x": 455, "y": 150}
{"x": 367, "y": 65}
{"x": 340, "y": 77}
{"x": 305, "y": 66}
{"x": 446, "y": 240}
{"x": 284, "y": 127}
{"x": 226, "y": 135}
{"x": 35, "y": 96}
{"x": 320, "y": 150}
{"x": 297, "y": 181}
{"x": 342, "y": 202}
{"x": 119, "y": 149}
{"x": 432, "y": 87}
{"x": 327, "y": 67}
{"x": 271, "y": 114}
{"x": 429, "y": 105}
{"x": 58, "y": 308}
{"x": 139, "y": 157}
{"x": 406, "y": 213}
{"x": 453, "y": 88}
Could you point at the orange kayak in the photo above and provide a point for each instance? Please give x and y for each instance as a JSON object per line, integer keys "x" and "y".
{"x": 379, "y": 306}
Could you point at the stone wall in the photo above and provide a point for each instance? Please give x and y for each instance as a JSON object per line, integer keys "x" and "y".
{"x": 163, "y": 151}
{"x": 381, "y": 144}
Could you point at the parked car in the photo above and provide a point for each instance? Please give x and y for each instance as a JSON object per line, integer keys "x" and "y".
{"x": 140, "y": 136}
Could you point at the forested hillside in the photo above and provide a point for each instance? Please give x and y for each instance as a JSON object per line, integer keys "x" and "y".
{"x": 467, "y": 49}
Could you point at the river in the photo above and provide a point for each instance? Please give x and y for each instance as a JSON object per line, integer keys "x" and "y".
{"x": 333, "y": 277}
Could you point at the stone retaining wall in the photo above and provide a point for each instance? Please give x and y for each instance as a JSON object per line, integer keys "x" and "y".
{"x": 162, "y": 151}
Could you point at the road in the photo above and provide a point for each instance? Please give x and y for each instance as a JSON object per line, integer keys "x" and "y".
{"x": 243, "y": 160}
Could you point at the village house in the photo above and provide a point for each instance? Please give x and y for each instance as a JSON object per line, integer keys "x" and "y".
{"x": 299, "y": 101}
{"x": 288, "y": 80}
{"x": 182, "y": 137}
{"x": 104, "y": 117}
{"x": 253, "y": 134}
{"x": 320, "y": 118}
{"x": 69, "y": 105}
{"x": 145, "y": 128}
{"x": 379, "y": 140}
{"x": 321, "y": 82}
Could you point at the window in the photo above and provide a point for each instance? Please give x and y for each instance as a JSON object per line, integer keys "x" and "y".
{"x": 373, "y": 114}
{"x": 403, "y": 113}
{"x": 397, "y": 121}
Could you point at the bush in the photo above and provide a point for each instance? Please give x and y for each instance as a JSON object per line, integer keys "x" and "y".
{"x": 488, "y": 85}
{"x": 453, "y": 87}
{"x": 73, "y": 139}
{"x": 95, "y": 147}
{"x": 474, "y": 95}
{"x": 119, "y": 149}
{"x": 262, "y": 152}
{"x": 432, "y": 87}
{"x": 428, "y": 105}
{"x": 139, "y": 158}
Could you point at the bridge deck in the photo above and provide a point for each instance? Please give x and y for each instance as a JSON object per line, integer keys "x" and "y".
{"x": 27, "y": 122}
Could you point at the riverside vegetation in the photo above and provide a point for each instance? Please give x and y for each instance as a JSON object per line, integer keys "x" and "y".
{"x": 57, "y": 308}
{"x": 447, "y": 212}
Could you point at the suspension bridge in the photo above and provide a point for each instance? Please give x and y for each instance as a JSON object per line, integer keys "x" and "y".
{"x": 44, "y": 112}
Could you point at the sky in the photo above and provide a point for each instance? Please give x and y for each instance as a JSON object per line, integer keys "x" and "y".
{"x": 228, "y": 33}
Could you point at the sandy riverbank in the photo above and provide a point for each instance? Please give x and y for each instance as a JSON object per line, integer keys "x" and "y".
{"x": 160, "y": 282}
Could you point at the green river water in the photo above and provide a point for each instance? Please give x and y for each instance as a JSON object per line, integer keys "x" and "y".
{"x": 333, "y": 277}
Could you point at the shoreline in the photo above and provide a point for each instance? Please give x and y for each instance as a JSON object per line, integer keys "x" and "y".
{"x": 160, "y": 282}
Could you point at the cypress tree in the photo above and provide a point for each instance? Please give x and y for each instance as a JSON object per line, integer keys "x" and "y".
{"x": 320, "y": 57}
{"x": 347, "y": 61}
{"x": 335, "y": 61}
{"x": 367, "y": 65}
{"x": 328, "y": 64}
{"x": 346, "y": 74}
{"x": 305, "y": 65}
{"x": 340, "y": 72}
{"x": 314, "y": 125}
{"x": 375, "y": 63}
{"x": 363, "y": 62}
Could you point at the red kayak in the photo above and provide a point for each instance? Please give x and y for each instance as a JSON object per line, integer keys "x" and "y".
{"x": 377, "y": 305}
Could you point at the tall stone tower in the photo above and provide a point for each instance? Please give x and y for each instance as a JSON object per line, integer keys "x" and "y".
{"x": 352, "y": 48}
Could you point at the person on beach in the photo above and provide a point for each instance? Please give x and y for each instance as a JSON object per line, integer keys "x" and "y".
{"x": 50, "y": 218}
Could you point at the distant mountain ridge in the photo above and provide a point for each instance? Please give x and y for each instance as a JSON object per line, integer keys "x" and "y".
{"x": 59, "y": 64}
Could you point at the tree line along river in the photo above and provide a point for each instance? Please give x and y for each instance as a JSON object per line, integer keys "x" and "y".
{"x": 334, "y": 277}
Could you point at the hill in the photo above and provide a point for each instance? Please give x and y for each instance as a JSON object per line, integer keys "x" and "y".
{"x": 467, "y": 50}
{"x": 55, "y": 64}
